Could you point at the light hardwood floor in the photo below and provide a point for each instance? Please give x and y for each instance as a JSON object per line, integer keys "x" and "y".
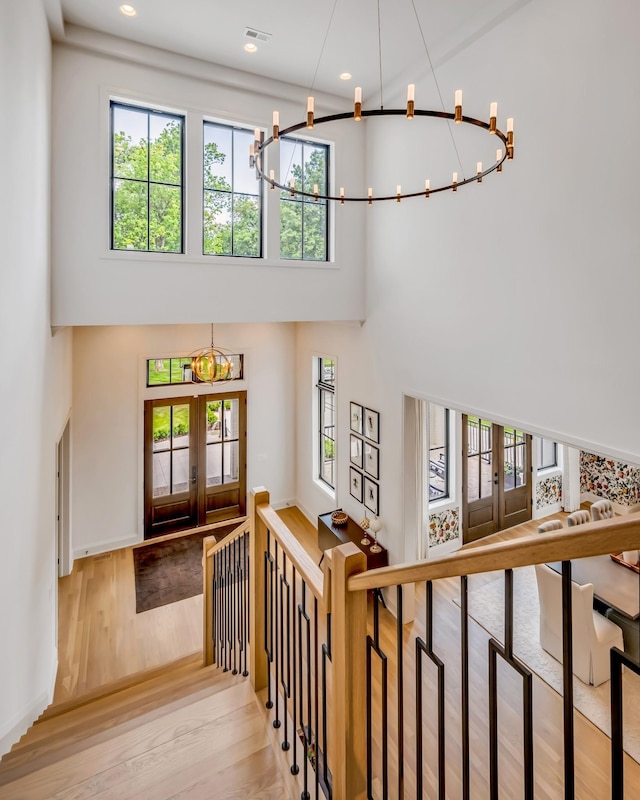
{"x": 101, "y": 639}
{"x": 100, "y": 586}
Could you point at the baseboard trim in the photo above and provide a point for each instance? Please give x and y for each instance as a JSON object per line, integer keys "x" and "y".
{"x": 547, "y": 511}
{"x": 12, "y": 732}
{"x": 105, "y": 547}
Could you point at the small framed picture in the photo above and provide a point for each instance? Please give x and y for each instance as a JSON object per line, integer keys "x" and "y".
{"x": 372, "y": 425}
{"x": 355, "y": 484}
{"x": 371, "y": 460}
{"x": 371, "y": 496}
{"x": 356, "y": 418}
{"x": 356, "y": 451}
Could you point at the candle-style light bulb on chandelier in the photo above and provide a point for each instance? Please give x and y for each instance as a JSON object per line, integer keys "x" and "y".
{"x": 211, "y": 364}
{"x": 259, "y": 147}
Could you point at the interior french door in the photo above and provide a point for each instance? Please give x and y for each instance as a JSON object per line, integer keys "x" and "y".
{"x": 496, "y": 478}
{"x": 194, "y": 461}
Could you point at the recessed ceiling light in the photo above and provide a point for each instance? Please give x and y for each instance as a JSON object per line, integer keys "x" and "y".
{"x": 128, "y": 11}
{"x": 345, "y": 76}
{"x": 250, "y": 47}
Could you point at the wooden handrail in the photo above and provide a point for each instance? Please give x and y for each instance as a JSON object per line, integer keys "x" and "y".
{"x": 235, "y": 533}
{"x": 582, "y": 541}
{"x": 306, "y": 567}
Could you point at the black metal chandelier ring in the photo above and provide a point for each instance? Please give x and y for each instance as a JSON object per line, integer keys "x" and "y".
{"x": 261, "y": 146}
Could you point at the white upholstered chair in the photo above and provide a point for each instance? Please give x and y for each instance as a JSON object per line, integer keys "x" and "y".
{"x": 550, "y": 525}
{"x": 578, "y": 517}
{"x": 593, "y": 635}
{"x": 602, "y": 509}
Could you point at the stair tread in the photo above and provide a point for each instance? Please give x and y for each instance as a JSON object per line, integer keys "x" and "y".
{"x": 81, "y": 727}
{"x": 176, "y": 746}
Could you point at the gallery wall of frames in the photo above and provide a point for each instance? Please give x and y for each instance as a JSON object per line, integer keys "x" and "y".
{"x": 364, "y": 449}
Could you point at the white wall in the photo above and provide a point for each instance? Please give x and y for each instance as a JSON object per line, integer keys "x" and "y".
{"x": 93, "y": 286}
{"x": 35, "y": 381}
{"x": 518, "y": 298}
{"x": 108, "y": 395}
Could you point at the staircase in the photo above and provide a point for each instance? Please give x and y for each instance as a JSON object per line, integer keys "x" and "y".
{"x": 185, "y": 731}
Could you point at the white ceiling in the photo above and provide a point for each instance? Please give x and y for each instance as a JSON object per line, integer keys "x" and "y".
{"x": 330, "y": 36}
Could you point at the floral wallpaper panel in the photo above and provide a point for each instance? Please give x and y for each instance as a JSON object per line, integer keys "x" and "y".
{"x": 548, "y": 491}
{"x": 444, "y": 526}
{"x": 605, "y": 477}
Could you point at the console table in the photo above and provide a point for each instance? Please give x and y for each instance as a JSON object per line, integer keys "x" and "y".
{"x": 330, "y": 535}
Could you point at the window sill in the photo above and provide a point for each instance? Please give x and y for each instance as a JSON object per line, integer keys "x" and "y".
{"x": 226, "y": 261}
{"x": 324, "y": 487}
{"x": 549, "y": 472}
{"x": 441, "y": 505}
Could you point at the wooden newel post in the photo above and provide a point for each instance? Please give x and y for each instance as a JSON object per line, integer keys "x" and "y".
{"x": 257, "y": 546}
{"x": 208, "y": 645}
{"x": 349, "y": 656}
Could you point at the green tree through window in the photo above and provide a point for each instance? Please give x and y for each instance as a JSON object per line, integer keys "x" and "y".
{"x": 147, "y": 179}
{"x": 303, "y": 221}
{"x": 232, "y": 209}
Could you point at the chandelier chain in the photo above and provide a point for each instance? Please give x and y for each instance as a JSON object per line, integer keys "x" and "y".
{"x": 435, "y": 80}
{"x": 380, "y": 55}
{"x": 324, "y": 44}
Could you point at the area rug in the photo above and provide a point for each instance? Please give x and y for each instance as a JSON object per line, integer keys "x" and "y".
{"x": 169, "y": 571}
{"x": 486, "y": 607}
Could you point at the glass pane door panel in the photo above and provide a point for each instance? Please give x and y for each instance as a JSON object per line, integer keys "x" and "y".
{"x": 180, "y": 472}
{"x": 473, "y": 477}
{"x": 161, "y": 428}
{"x": 515, "y": 456}
{"x": 214, "y": 464}
{"x": 231, "y": 460}
{"x": 231, "y": 418}
{"x": 180, "y": 425}
{"x": 161, "y": 473}
{"x": 214, "y": 421}
{"x": 486, "y": 476}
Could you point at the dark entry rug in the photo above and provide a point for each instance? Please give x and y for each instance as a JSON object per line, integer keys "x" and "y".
{"x": 169, "y": 571}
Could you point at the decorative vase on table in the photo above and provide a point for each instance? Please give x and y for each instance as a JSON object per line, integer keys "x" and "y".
{"x": 364, "y": 524}
{"x": 375, "y": 526}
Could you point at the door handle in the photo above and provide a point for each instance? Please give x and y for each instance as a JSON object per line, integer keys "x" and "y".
{"x": 194, "y": 473}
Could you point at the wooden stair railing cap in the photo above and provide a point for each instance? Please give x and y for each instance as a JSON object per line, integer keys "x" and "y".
{"x": 590, "y": 539}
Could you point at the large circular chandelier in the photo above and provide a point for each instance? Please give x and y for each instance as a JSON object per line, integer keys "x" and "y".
{"x": 504, "y": 151}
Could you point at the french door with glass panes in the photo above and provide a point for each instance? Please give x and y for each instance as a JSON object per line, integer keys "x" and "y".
{"x": 194, "y": 462}
{"x": 496, "y": 478}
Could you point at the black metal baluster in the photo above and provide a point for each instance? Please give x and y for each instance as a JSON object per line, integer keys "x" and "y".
{"x": 316, "y": 699}
{"x": 239, "y": 610}
{"x": 284, "y": 635}
{"x": 400, "y": 677}
{"x": 295, "y": 769}
{"x": 567, "y": 663}
{"x": 247, "y": 600}
{"x": 464, "y": 655}
{"x": 506, "y": 653}
{"x": 326, "y": 654}
{"x": 234, "y": 604}
{"x": 374, "y": 645}
{"x": 274, "y": 601}
{"x": 618, "y": 660}
{"x": 302, "y": 615}
{"x": 214, "y": 607}
{"x": 427, "y": 649}
{"x": 225, "y": 600}
{"x": 268, "y": 616}
{"x": 242, "y": 603}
